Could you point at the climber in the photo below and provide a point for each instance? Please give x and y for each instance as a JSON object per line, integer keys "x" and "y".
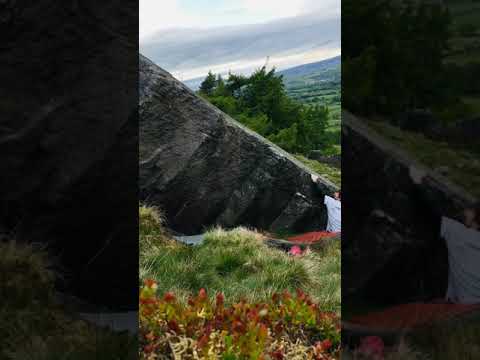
{"x": 462, "y": 297}
{"x": 463, "y": 243}
{"x": 334, "y": 212}
{"x": 334, "y": 223}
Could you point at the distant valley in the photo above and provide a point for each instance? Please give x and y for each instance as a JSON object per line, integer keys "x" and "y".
{"x": 317, "y": 83}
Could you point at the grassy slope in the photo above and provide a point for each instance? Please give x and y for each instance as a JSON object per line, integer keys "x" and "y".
{"x": 463, "y": 167}
{"x": 240, "y": 265}
{"x": 330, "y": 172}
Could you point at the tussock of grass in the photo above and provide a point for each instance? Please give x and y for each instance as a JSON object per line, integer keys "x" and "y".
{"x": 33, "y": 326}
{"x": 239, "y": 264}
{"x": 25, "y": 275}
{"x": 152, "y": 231}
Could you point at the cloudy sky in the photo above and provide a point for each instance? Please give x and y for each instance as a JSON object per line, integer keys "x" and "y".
{"x": 191, "y": 37}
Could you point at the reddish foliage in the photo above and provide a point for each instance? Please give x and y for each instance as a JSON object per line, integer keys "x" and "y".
{"x": 241, "y": 330}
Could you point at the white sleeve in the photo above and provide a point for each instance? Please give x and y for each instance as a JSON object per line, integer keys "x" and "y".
{"x": 327, "y": 200}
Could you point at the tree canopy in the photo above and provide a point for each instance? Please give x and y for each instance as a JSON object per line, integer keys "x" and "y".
{"x": 260, "y": 102}
{"x": 393, "y": 55}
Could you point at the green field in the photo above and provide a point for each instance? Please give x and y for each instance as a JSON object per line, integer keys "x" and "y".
{"x": 320, "y": 87}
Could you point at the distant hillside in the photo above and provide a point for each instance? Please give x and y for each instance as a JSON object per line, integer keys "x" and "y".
{"x": 317, "y": 68}
{"x": 320, "y": 71}
{"x": 317, "y": 83}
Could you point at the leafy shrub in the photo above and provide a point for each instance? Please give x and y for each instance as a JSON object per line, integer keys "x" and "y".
{"x": 287, "y": 327}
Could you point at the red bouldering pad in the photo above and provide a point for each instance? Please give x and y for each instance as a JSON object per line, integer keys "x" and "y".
{"x": 313, "y": 237}
{"x": 408, "y": 316}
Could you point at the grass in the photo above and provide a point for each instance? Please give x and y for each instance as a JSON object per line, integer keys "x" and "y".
{"x": 463, "y": 167}
{"x": 330, "y": 172}
{"x": 34, "y": 326}
{"x": 239, "y": 264}
{"x": 401, "y": 351}
{"x": 455, "y": 340}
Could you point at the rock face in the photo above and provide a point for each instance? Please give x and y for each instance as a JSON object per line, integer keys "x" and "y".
{"x": 204, "y": 168}
{"x": 392, "y": 250}
{"x": 68, "y": 138}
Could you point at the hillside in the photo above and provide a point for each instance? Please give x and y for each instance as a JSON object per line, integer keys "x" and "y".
{"x": 318, "y": 83}
{"x": 317, "y": 69}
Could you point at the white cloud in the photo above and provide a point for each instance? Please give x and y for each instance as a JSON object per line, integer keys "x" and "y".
{"x": 244, "y": 66}
{"x": 160, "y": 14}
{"x": 288, "y": 42}
{"x": 275, "y": 8}
{"x": 326, "y": 8}
{"x": 290, "y": 8}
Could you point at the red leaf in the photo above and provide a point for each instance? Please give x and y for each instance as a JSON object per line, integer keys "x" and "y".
{"x": 202, "y": 294}
{"x": 173, "y": 325}
{"x": 220, "y": 299}
{"x": 169, "y": 297}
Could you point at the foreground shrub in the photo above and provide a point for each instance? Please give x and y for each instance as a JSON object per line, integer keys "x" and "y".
{"x": 287, "y": 327}
{"x": 34, "y": 326}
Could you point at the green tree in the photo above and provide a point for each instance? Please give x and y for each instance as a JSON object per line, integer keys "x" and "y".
{"x": 287, "y": 139}
{"x": 260, "y": 102}
{"x": 208, "y": 85}
{"x": 316, "y": 121}
{"x": 393, "y": 55}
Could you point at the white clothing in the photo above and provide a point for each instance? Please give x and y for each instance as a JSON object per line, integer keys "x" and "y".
{"x": 463, "y": 245}
{"x": 334, "y": 211}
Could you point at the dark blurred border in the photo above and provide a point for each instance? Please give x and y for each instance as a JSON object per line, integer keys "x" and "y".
{"x": 410, "y": 150}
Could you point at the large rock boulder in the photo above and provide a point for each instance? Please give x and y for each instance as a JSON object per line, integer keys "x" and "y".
{"x": 204, "y": 168}
{"x": 69, "y": 138}
{"x": 392, "y": 250}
